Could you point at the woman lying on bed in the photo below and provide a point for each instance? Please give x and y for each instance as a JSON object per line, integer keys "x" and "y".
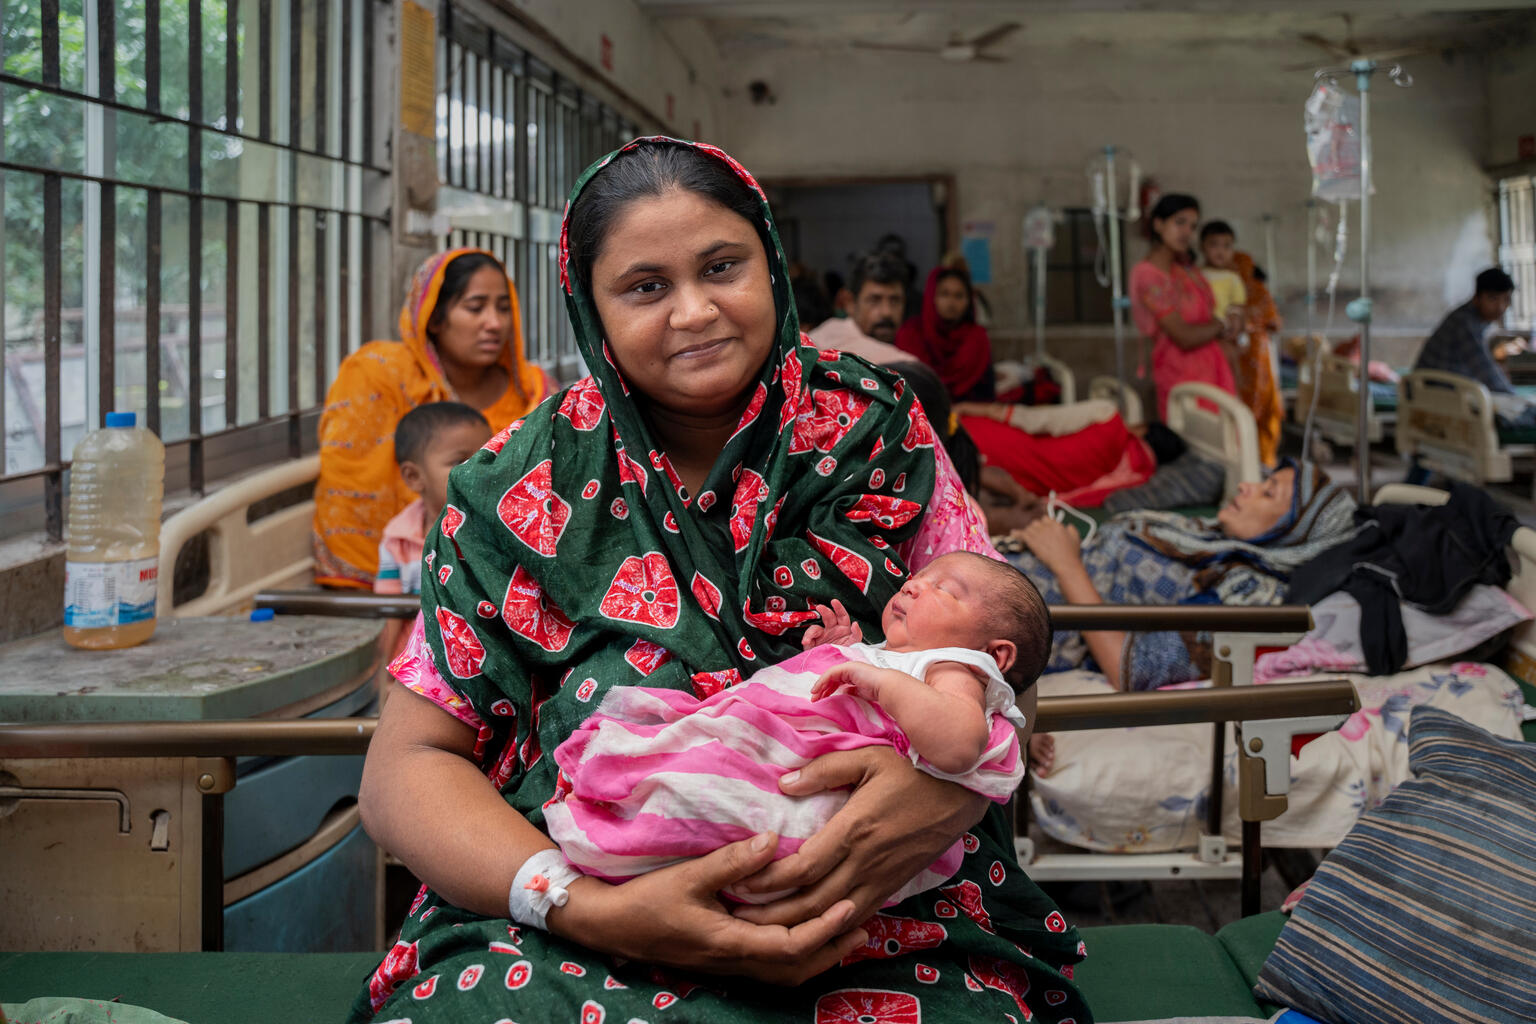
{"x": 1244, "y": 556}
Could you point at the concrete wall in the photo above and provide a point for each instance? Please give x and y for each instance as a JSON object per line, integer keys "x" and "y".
{"x": 1224, "y": 124}
{"x": 649, "y": 62}
{"x": 1511, "y": 100}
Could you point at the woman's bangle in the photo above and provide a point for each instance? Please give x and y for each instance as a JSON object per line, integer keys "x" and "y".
{"x": 539, "y": 887}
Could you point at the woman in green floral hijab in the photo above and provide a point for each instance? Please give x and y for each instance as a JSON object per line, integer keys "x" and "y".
{"x": 672, "y": 519}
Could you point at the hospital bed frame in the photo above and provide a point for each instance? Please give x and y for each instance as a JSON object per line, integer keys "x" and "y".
{"x": 1060, "y": 372}
{"x": 1337, "y": 388}
{"x": 1215, "y": 425}
{"x": 245, "y": 555}
{"x": 1108, "y": 389}
{"x": 1239, "y": 632}
{"x": 1446, "y": 422}
{"x": 1264, "y": 746}
{"x": 1238, "y": 641}
{"x": 210, "y": 748}
{"x": 1064, "y": 377}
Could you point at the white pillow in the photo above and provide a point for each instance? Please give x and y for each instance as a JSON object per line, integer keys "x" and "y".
{"x": 1334, "y": 643}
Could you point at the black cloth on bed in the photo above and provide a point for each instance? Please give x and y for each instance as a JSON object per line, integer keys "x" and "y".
{"x": 1426, "y": 555}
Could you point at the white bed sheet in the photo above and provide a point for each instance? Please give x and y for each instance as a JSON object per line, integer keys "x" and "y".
{"x": 1144, "y": 790}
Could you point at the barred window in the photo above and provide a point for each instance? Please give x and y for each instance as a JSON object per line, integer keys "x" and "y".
{"x": 195, "y": 199}
{"x": 1073, "y": 294}
{"x": 1517, "y": 247}
{"x": 512, "y": 138}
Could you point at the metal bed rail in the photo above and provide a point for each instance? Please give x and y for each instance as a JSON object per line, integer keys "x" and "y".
{"x": 217, "y": 743}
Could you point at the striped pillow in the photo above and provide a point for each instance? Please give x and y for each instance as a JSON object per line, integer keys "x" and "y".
{"x": 1427, "y": 910}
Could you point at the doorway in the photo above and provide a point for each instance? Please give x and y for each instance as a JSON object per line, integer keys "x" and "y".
{"x": 825, "y": 225}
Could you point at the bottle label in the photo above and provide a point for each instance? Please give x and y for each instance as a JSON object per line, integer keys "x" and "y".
{"x": 100, "y": 594}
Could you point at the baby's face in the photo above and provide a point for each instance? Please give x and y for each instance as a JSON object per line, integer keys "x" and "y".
{"x": 451, "y": 446}
{"x": 1219, "y": 251}
{"x": 946, "y": 604}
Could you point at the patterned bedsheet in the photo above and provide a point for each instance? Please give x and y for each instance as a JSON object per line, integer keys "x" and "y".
{"x": 1144, "y": 790}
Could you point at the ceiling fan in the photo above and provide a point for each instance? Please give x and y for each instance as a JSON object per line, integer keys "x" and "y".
{"x": 958, "y": 49}
{"x": 1347, "y": 49}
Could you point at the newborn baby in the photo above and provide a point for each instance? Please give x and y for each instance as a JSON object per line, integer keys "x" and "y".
{"x": 657, "y": 776}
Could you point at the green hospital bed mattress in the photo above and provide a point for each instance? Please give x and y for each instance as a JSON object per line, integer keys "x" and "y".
{"x": 1133, "y": 972}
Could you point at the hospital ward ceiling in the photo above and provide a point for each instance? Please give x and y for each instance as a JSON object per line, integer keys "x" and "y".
{"x": 1303, "y": 31}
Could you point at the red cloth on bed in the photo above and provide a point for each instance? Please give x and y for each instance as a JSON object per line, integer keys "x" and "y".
{"x": 1083, "y": 468}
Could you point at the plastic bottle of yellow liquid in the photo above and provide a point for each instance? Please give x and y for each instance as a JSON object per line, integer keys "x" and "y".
{"x": 111, "y": 565}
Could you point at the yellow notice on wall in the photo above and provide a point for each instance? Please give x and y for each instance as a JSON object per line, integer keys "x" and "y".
{"x": 418, "y": 76}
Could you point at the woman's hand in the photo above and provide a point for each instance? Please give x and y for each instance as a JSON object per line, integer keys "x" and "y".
{"x": 836, "y": 627}
{"x": 984, "y": 410}
{"x": 896, "y": 822}
{"x": 1057, "y": 545}
{"x": 674, "y": 916}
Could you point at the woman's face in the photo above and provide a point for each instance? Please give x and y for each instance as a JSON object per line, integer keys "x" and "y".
{"x": 1257, "y": 507}
{"x": 950, "y": 298}
{"x": 682, "y": 287}
{"x": 1177, "y": 231}
{"x": 474, "y": 328}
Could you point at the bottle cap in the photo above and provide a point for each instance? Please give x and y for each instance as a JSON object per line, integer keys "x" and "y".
{"x": 122, "y": 419}
{"x": 263, "y": 615}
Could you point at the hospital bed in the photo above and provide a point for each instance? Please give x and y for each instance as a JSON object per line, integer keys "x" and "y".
{"x": 249, "y": 548}
{"x": 1012, "y": 373}
{"x": 1335, "y": 381}
{"x": 1127, "y": 400}
{"x": 1326, "y": 795}
{"x": 1215, "y": 425}
{"x": 1263, "y": 780}
{"x": 1219, "y": 427}
{"x": 1447, "y": 422}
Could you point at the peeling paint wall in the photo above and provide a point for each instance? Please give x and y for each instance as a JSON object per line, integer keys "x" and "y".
{"x": 649, "y": 62}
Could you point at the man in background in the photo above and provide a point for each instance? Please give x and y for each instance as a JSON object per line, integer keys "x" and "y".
{"x": 1460, "y": 344}
{"x": 874, "y": 300}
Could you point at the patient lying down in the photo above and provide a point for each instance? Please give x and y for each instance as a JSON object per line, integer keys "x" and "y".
{"x": 657, "y": 776}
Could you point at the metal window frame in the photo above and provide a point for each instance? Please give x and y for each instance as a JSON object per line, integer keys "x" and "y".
{"x": 513, "y": 89}
{"x": 322, "y": 30}
{"x": 1517, "y": 245}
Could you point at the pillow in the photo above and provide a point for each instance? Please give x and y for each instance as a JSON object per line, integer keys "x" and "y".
{"x": 1425, "y": 911}
{"x": 1334, "y": 643}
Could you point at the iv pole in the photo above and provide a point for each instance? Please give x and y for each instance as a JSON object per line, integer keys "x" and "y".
{"x": 1114, "y": 272}
{"x": 1274, "y": 288}
{"x": 1359, "y": 310}
{"x": 1039, "y": 305}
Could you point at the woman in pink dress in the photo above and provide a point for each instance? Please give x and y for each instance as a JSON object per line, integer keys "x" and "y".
{"x": 1173, "y": 305}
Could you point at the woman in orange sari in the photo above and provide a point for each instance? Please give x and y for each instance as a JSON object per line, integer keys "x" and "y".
{"x": 461, "y": 338}
{"x": 1255, "y": 372}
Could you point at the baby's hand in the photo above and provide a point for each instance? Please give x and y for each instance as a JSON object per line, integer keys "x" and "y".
{"x": 836, "y": 627}
{"x": 858, "y": 677}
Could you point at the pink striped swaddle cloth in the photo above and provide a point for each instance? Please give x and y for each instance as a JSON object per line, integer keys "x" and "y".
{"x": 657, "y": 776}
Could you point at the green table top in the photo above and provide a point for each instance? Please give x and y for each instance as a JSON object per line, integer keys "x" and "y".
{"x": 195, "y": 668}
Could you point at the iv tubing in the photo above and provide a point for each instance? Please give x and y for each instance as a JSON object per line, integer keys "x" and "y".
{"x": 1114, "y": 273}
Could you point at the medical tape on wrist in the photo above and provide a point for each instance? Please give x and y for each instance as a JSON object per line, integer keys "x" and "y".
{"x": 539, "y": 887}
